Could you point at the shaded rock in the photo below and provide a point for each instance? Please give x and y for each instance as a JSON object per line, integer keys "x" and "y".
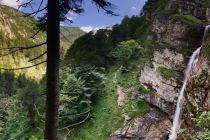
{"x": 154, "y": 126}
{"x": 176, "y": 33}
{"x": 157, "y": 101}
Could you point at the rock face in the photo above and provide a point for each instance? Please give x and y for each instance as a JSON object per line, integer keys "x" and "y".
{"x": 175, "y": 33}
{"x": 198, "y": 90}
{"x": 169, "y": 30}
{"x": 154, "y": 125}
{"x": 187, "y": 7}
{"x": 166, "y": 89}
{"x": 173, "y": 36}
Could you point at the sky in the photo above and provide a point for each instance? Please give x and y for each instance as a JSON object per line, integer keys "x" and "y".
{"x": 92, "y": 18}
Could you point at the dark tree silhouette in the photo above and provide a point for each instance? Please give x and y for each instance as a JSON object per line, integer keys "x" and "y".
{"x": 55, "y": 11}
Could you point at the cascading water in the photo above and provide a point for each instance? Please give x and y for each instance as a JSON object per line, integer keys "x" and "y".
{"x": 180, "y": 101}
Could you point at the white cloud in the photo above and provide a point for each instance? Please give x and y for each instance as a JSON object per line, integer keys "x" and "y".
{"x": 71, "y": 16}
{"x": 133, "y": 8}
{"x": 87, "y": 29}
{"x": 12, "y": 3}
{"x": 90, "y": 28}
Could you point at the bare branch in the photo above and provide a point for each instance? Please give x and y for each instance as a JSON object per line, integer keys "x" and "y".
{"x": 67, "y": 115}
{"x": 38, "y": 56}
{"x": 75, "y": 124}
{"x": 40, "y": 5}
{"x": 38, "y": 113}
{"x": 24, "y": 4}
{"x": 36, "y": 12}
{"x": 25, "y": 67}
{"x": 41, "y": 28}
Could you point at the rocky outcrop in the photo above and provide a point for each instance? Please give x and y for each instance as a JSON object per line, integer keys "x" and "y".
{"x": 177, "y": 40}
{"x": 166, "y": 89}
{"x": 154, "y": 125}
{"x": 198, "y": 90}
{"x": 175, "y": 33}
{"x": 186, "y": 7}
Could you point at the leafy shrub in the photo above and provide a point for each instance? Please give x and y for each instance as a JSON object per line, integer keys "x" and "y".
{"x": 203, "y": 123}
{"x": 203, "y": 120}
{"x": 126, "y": 50}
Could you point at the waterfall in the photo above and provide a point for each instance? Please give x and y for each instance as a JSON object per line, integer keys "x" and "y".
{"x": 192, "y": 62}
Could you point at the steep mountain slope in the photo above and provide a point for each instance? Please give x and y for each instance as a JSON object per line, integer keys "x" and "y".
{"x": 22, "y": 91}
{"x": 16, "y": 30}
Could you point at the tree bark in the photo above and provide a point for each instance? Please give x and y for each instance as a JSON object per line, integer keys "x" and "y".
{"x": 53, "y": 85}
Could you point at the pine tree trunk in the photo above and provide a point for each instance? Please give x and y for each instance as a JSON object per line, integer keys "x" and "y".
{"x": 53, "y": 85}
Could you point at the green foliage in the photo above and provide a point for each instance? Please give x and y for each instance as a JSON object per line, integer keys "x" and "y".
{"x": 188, "y": 19}
{"x": 33, "y": 138}
{"x": 136, "y": 108}
{"x": 127, "y": 79}
{"x": 167, "y": 73}
{"x": 205, "y": 1}
{"x": 77, "y": 89}
{"x": 67, "y": 37}
{"x": 154, "y": 7}
{"x": 126, "y": 50}
{"x": 203, "y": 122}
{"x": 105, "y": 117}
{"x": 19, "y": 120}
{"x": 203, "y": 135}
{"x": 95, "y": 49}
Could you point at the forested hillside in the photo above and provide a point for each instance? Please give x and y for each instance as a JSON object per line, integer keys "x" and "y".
{"x": 118, "y": 83}
{"x": 21, "y": 89}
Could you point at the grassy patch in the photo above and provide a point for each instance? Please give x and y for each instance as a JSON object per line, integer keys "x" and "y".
{"x": 167, "y": 73}
{"x": 188, "y": 19}
{"x": 136, "y": 108}
{"x": 128, "y": 76}
{"x": 105, "y": 118}
{"x": 204, "y": 1}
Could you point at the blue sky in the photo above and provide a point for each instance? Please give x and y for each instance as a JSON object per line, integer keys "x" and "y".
{"x": 91, "y": 18}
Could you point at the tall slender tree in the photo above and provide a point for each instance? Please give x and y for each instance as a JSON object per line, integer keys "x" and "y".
{"x": 56, "y": 11}
{"x": 53, "y": 88}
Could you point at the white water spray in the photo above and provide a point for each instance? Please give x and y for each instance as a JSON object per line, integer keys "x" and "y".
{"x": 192, "y": 62}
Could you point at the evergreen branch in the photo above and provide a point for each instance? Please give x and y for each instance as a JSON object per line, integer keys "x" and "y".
{"x": 24, "y": 4}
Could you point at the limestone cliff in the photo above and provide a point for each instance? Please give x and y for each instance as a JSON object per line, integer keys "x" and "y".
{"x": 177, "y": 27}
